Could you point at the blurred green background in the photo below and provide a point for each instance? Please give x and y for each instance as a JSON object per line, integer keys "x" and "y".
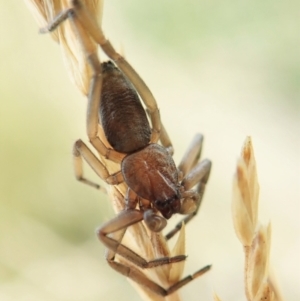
{"x": 227, "y": 69}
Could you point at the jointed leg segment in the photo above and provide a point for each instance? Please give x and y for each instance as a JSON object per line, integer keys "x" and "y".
{"x": 192, "y": 155}
{"x": 80, "y": 151}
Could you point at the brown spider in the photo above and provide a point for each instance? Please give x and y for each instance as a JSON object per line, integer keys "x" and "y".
{"x": 155, "y": 186}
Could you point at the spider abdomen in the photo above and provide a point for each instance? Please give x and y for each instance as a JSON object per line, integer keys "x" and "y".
{"x": 122, "y": 115}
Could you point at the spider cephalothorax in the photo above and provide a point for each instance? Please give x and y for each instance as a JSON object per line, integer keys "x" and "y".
{"x": 152, "y": 174}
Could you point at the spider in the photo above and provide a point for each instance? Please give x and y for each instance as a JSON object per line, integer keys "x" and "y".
{"x": 157, "y": 189}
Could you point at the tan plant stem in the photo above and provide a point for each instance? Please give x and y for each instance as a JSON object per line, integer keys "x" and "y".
{"x": 247, "y": 250}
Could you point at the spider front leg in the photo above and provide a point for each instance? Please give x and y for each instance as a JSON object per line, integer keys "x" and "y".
{"x": 137, "y": 276}
{"x": 122, "y": 221}
{"x": 194, "y": 174}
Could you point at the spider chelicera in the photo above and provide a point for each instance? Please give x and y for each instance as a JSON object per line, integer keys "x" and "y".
{"x": 157, "y": 189}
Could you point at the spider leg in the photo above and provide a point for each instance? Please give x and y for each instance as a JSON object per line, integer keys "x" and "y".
{"x": 78, "y": 171}
{"x": 123, "y": 220}
{"x": 61, "y": 17}
{"x": 80, "y": 150}
{"x": 198, "y": 174}
{"x": 192, "y": 155}
{"x": 137, "y": 276}
{"x": 197, "y": 199}
{"x": 164, "y": 138}
{"x": 194, "y": 174}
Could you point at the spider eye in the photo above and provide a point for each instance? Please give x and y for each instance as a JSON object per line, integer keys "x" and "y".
{"x": 160, "y": 204}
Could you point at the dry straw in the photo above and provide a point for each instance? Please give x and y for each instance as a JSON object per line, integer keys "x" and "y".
{"x": 147, "y": 244}
{"x": 44, "y": 11}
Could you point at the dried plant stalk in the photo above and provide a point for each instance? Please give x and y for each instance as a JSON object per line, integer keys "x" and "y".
{"x": 138, "y": 238}
{"x": 254, "y": 238}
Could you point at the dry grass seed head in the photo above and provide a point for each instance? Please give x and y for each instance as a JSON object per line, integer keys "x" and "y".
{"x": 256, "y": 240}
{"x": 245, "y": 195}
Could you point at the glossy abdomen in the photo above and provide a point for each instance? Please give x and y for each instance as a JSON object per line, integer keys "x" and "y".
{"x": 122, "y": 115}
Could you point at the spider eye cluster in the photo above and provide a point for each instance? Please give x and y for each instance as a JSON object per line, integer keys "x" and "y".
{"x": 168, "y": 207}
